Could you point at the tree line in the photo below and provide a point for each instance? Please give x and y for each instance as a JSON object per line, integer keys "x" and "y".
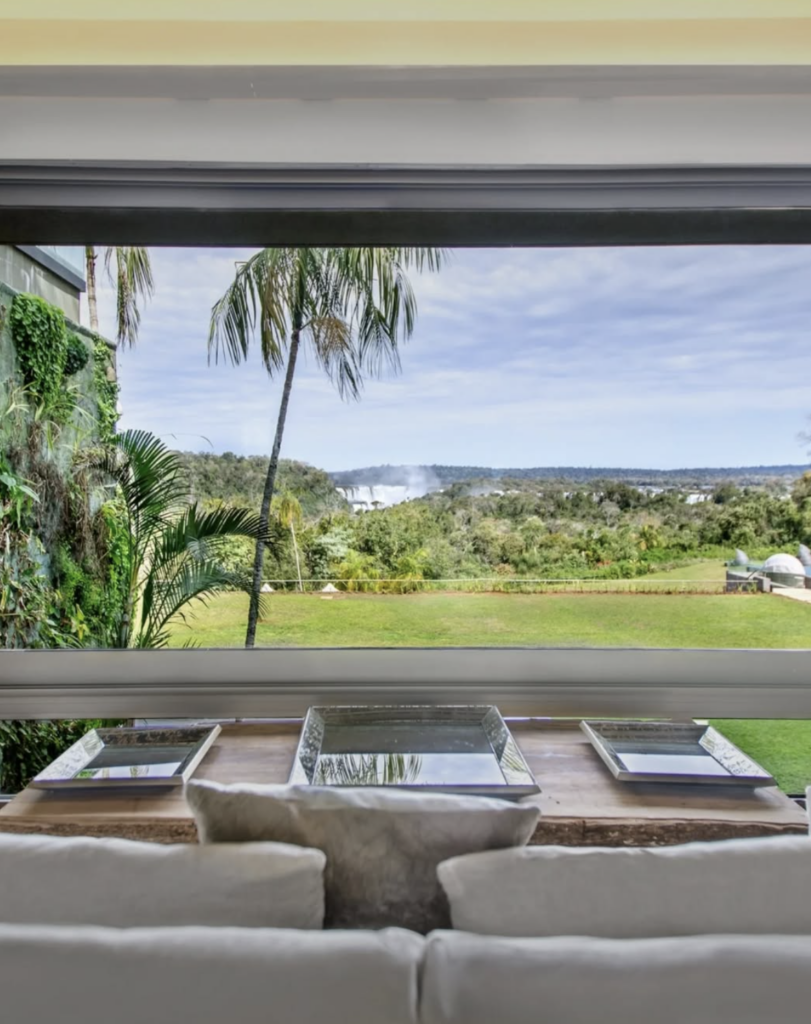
{"x": 522, "y": 530}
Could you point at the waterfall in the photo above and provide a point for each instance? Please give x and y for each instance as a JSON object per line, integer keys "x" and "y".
{"x": 369, "y": 496}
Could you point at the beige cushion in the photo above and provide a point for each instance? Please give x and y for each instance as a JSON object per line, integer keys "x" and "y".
{"x": 740, "y": 885}
{"x": 737, "y": 979}
{"x": 78, "y": 975}
{"x": 115, "y": 882}
{"x": 382, "y": 847}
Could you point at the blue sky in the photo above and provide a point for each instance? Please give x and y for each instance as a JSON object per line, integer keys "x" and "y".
{"x": 590, "y": 357}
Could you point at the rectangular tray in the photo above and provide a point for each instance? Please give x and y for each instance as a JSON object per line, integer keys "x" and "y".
{"x": 129, "y": 758}
{"x": 673, "y": 752}
{"x": 464, "y": 749}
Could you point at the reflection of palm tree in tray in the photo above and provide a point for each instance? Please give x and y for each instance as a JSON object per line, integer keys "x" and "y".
{"x": 369, "y": 770}
{"x": 512, "y": 763}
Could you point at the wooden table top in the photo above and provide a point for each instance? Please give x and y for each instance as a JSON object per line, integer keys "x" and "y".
{"x": 581, "y": 802}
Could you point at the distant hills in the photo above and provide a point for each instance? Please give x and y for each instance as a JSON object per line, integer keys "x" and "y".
{"x": 438, "y": 476}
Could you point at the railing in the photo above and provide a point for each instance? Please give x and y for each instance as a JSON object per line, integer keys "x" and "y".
{"x": 501, "y": 584}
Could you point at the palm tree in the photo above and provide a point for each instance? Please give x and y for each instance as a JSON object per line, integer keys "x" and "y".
{"x": 172, "y": 546}
{"x": 132, "y": 281}
{"x": 352, "y": 306}
{"x": 289, "y": 512}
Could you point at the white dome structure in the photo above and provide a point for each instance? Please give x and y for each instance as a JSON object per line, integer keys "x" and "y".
{"x": 785, "y": 564}
{"x": 785, "y": 570}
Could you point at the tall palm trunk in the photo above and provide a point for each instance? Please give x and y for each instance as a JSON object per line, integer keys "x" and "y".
{"x": 295, "y": 551}
{"x": 92, "y": 300}
{"x": 270, "y": 480}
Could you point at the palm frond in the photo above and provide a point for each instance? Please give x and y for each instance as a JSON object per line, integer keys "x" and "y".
{"x": 193, "y": 539}
{"x": 335, "y": 354}
{"x": 151, "y": 476}
{"x": 191, "y": 580}
{"x": 288, "y": 510}
{"x": 260, "y": 289}
{"x": 132, "y": 281}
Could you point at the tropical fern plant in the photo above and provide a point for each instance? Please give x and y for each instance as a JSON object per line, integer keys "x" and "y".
{"x": 172, "y": 552}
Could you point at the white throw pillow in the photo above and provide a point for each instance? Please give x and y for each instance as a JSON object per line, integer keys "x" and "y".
{"x": 739, "y": 886}
{"x": 59, "y": 975}
{"x": 719, "y": 979}
{"x": 115, "y": 882}
{"x": 382, "y": 847}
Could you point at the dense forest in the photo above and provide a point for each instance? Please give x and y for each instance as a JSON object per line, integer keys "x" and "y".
{"x": 523, "y": 528}
{"x": 239, "y": 479}
{"x": 441, "y": 475}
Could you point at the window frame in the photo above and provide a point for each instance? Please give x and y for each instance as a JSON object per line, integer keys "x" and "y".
{"x": 220, "y": 204}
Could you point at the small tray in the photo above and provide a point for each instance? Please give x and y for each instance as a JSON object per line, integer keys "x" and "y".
{"x": 465, "y": 749}
{"x": 673, "y": 752}
{"x": 129, "y": 758}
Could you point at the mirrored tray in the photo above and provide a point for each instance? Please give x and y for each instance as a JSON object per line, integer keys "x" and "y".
{"x": 673, "y": 752}
{"x": 114, "y": 758}
{"x": 464, "y": 749}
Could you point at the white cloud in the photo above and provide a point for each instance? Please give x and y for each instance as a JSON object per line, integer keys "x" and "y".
{"x": 655, "y": 357}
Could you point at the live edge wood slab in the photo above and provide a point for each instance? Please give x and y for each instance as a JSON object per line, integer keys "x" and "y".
{"x": 581, "y": 803}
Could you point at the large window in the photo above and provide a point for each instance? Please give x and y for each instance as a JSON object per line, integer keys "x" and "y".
{"x": 579, "y": 441}
{"x": 570, "y": 447}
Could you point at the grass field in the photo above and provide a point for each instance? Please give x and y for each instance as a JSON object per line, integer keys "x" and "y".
{"x": 781, "y": 747}
{"x": 554, "y": 620}
{"x": 715, "y": 571}
{"x": 503, "y": 620}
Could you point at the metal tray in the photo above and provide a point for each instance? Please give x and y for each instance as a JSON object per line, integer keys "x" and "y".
{"x": 673, "y": 752}
{"x": 129, "y": 758}
{"x": 464, "y": 749}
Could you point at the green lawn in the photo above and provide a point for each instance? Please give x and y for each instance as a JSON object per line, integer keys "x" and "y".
{"x": 715, "y": 570}
{"x": 782, "y": 747}
{"x": 503, "y": 620}
{"x": 554, "y": 620}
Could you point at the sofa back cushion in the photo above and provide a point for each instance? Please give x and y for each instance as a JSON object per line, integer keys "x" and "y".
{"x": 115, "y": 882}
{"x": 382, "y": 847}
{"x": 472, "y": 979}
{"x": 206, "y": 976}
{"x": 741, "y": 886}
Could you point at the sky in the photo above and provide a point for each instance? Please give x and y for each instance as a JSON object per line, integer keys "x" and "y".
{"x": 636, "y": 357}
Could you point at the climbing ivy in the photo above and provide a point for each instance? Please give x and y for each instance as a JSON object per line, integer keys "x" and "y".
{"x": 29, "y": 612}
{"x": 106, "y": 389}
{"x": 41, "y": 341}
{"x": 77, "y": 356}
{"x": 63, "y": 568}
{"x": 93, "y": 580}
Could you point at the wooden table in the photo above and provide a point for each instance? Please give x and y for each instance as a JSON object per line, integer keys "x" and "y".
{"x": 581, "y": 803}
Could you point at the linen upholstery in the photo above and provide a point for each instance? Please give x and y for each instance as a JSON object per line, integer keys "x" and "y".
{"x": 74, "y": 975}
{"x": 727, "y": 979}
{"x": 382, "y": 847}
{"x": 120, "y": 883}
{"x": 748, "y": 886}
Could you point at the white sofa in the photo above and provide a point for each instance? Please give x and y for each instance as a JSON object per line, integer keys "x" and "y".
{"x": 57, "y": 972}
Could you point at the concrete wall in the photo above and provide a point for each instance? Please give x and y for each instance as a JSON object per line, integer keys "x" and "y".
{"x": 23, "y": 274}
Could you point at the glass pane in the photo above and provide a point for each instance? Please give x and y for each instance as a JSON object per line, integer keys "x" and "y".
{"x": 582, "y": 448}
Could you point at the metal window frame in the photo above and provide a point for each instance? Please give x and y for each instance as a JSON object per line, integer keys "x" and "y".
{"x": 235, "y": 205}
{"x": 213, "y": 204}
